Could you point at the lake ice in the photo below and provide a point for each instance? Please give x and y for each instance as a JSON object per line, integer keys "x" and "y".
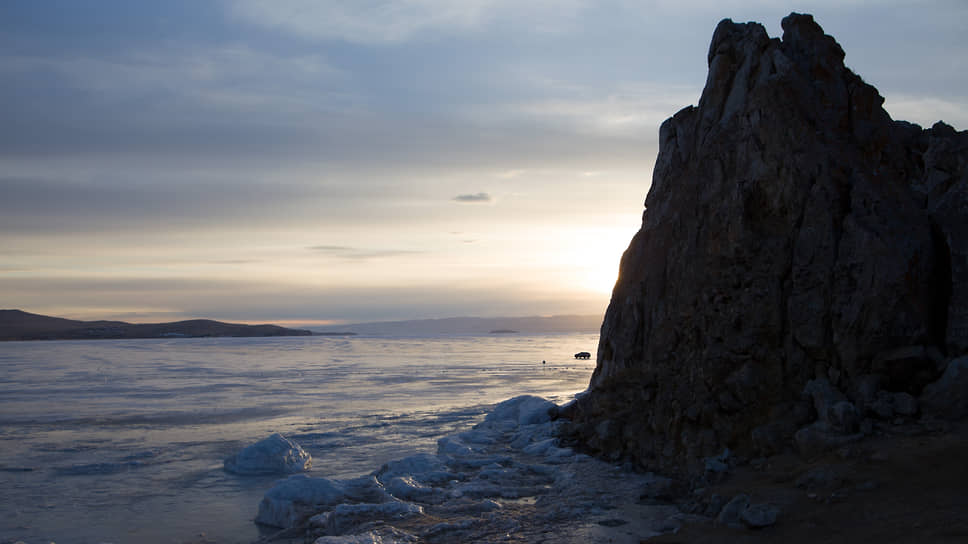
{"x": 124, "y": 441}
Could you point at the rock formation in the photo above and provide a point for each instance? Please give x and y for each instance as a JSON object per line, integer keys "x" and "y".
{"x": 802, "y": 262}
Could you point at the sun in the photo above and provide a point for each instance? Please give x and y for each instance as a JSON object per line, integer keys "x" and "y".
{"x": 579, "y": 259}
{"x": 597, "y": 260}
{"x": 601, "y": 277}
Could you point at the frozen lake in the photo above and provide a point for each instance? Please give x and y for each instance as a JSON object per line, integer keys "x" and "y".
{"x": 122, "y": 441}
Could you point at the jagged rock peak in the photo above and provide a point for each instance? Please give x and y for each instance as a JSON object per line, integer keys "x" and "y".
{"x": 805, "y": 40}
{"x": 793, "y": 232}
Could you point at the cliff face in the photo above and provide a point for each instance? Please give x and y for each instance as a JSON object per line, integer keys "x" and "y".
{"x": 793, "y": 232}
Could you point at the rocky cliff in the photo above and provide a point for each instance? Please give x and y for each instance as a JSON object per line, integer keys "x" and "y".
{"x": 801, "y": 269}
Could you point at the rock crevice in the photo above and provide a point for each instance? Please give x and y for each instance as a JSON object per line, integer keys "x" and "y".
{"x": 793, "y": 232}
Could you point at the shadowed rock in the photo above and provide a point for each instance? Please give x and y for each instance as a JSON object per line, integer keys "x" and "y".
{"x": 793, "y": 232}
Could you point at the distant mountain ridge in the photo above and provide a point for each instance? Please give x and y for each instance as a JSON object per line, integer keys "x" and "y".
{"x": 20, "y": 325}
{"x": 474, "y": 325}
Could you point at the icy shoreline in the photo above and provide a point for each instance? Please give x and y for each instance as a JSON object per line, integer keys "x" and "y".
{"x": 505, "y": 479}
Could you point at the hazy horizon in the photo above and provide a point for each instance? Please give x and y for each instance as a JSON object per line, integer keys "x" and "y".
{"x": 332, "y": 324}
{"x": 314, "y": 162}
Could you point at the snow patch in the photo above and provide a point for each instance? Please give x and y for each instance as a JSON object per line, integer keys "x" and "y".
{"x": 481, "y": 484}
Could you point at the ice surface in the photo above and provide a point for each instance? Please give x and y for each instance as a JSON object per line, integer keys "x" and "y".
{"x": 508, "y": 474}
{"x": 346, "y": 516}
{"x": 385, "y": 535}
{"x": 102, "y": 440}
{"x": 273, "y": 455}
{"x": 428, "y": 465}
{"x": 455, "y": 445}
{"x": 364, "y": 538}
{"x": 408, "y": 488}
{"x": 294, "y": 499}
{"x": 523, "y": 410}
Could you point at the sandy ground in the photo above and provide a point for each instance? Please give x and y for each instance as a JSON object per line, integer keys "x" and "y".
{"x": 907, "y": 482}
{"x": 910, "y": 484}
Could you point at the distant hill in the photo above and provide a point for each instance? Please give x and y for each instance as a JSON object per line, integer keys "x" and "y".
{"x": 20, "y": 325}
{"x": 475, "y": 325}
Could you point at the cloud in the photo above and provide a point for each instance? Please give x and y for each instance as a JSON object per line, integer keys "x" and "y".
{"x": 331, "y": 249}
{"x": 221, "y": 77}
{"x": 189, "y": 100}
{"x": 395, "y": 21}
{"x": 473, "y": 198}
{"x": 926, "y": 110}
{"x": 357, "y": 254}
{"x": 626, "y": 110}
{"x": 40, "y": 205}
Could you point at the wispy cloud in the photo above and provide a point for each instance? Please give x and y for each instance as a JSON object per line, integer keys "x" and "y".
{"x": 331, "y": 249}
{"x": 394, "y": 21}
{"x": 478, "y": 198}
{"x": 57, "y": 205}
{"x": 359, "y": 254}
{"x": 624, "y": 111}
{"x": 219, "y": 76}
{"x": 158, "y": 98}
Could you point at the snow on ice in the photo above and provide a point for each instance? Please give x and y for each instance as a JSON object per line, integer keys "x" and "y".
{"x": 508, "y": 479}
{"x": 273, "y": 455}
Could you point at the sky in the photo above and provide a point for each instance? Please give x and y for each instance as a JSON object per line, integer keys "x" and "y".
{"x": 310, "y": 162}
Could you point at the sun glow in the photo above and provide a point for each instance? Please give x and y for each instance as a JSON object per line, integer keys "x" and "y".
{"x": 592, "y": 258}
{"x": 600, "y": 279}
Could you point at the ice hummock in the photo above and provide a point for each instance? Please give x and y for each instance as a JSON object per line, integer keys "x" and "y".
{"x": 508, "y": 474}
{"x": 273, "y": 455}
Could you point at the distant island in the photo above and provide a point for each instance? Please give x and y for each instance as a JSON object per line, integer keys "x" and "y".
{"x": 20, "y": 325}
{"x": 558, "y": 324}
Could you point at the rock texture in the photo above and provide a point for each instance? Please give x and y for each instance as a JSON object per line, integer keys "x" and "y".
{"x": 794, "y": 234}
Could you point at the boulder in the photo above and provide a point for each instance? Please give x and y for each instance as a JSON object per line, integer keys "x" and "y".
{"x": 273, "y": 455}
{"x": 904, "y": 404}
{"x": 661, "y": 488}
{"x": 864, "y": 390}
{"x": 832, "y": 406}
{"x": 819, "y": 437}
{"x": 758, "y": 516}
{"x": 882, "y": 407}
{"x": 793, "y": 232}
{"x": 947, "y": 398}
{"x": 730, "y": 514}
{"x": 907, "y": 368}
